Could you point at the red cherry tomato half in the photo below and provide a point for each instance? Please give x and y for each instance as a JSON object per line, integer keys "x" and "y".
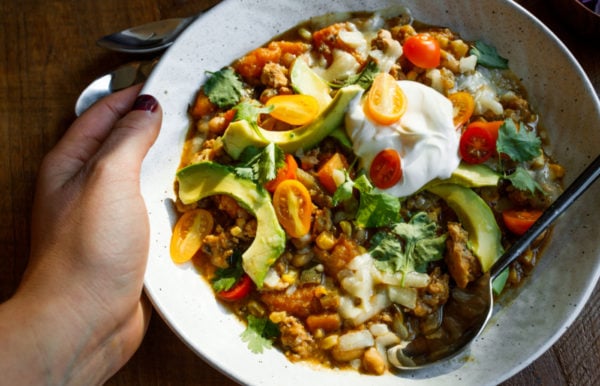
{"x": 518, "y": 221}
{"x": 423, "y": 50}
{"x": 240, "y": 290}
{"x": 386, "y": 169}
{"x": 478, "y": 142}
{"x": 286, "y": 172}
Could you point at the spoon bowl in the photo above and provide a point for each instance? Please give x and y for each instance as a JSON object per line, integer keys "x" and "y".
{"x": 146, "y": 38}
{"x": 123, "y": 77}
{"x": 468, "y": 311}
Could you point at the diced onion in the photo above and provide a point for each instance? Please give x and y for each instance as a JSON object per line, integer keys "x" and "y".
{"x": 403, "y": 296}
{"x": 356, "y": 340}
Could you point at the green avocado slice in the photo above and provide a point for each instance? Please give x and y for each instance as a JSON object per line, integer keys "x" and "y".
{"x": 240, "y": 134}
{"x": 208, "y": 178}
{"x": 477, "y": 219}
{"x": 470, "y": 176}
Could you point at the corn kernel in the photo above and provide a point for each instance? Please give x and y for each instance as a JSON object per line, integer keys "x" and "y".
{"x": 289, "y": 277}
{"x": 346, "y": 228}
{"x": 235, "y": 231}
{"x": 277, "y": 316}
{"x": 329, "y": 342}
{"x": 325, "y": 241}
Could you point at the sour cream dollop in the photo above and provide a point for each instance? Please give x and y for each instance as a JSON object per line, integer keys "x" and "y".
{"x": 425, "y": 137}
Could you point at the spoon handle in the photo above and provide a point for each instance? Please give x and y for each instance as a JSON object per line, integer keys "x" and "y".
{"x": 576, "y": 189}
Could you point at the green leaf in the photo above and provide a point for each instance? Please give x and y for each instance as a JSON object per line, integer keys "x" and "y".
{"x": 364, "y": 78}
{"x": 519, "y": 144}
{"x": 223, "y": 88}
{"x": 344, "y": 191}
{"x": 410, "y": 246}
{"x": 374, "y": 209}
{"x": 377, "y": 209}
{"x": 250, "y": 111}
{"x": 487, "y": 56}
{"x": 522, "y": 180}
{"x": 259, "y": 334}
{"x": 428, "y": 250}
{"x": 261, "y": 165}
{"x": 225, "y": 278}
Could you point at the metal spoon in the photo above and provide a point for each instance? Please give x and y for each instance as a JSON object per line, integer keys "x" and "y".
{"x": 146, "y": 38}
{"x": 123, "y": 77}
{"x": 471, "y": 309}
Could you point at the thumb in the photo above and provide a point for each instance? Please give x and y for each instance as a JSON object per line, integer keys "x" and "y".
{"x": 133, "y": 135}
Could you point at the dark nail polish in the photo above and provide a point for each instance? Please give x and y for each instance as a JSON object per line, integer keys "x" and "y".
{"x": 145, "y": 103}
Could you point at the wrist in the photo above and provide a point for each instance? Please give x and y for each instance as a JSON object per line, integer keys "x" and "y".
{"x": 46, "y": 341}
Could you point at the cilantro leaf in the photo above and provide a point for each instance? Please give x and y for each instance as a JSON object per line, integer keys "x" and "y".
{"x": 487, "y": 56}
{"x": 344, "y": 191}
{"x": 261, "y": 165}
{"x": 259, "y": 334}
{"x": 410, "y": 246}
{"x": 375, "y": 209}
{"x": 249, "y": 111}
{"x": 519, "y": 144}
{"x": 225, "y": 278}
{"x": 363, "y": 78}
{"x": 385, "y": 251}
{"x": 223, "y": 88}
{"x": 522, "y": 180}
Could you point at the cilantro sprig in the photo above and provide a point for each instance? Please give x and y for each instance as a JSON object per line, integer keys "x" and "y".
{"x": 410, "y": 246}
{"x": 375, "y": 209}
{"x": 250, "y": 111}
{"x": 487, "y": 56}
{"x": 225, "y": 278}
{"x": 364, "y": 78}
{"x": 259, "y": 334}
{"x": 520, "y": 145}
{"x": 261, "y": 165}
{"x": 223, "y": 88}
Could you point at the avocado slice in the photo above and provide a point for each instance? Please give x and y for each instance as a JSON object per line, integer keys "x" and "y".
{"x": 477, "y": 219}
{"x": 208, "y": 178}
{"x": 306, "y": 81}
{"x": 470, "y": 176}
{"x": 241, "y": 134}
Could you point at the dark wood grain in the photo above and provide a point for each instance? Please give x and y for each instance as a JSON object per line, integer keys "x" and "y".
{"x": 48, "y": 55}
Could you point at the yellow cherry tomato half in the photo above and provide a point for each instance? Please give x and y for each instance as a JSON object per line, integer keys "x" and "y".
{"x": 463, "y": 105}
{"x": 293, "y": 207}
{"x": 385, "y": 102}
{"x": 188, "y": 233}
{"x": 295, "y": 109}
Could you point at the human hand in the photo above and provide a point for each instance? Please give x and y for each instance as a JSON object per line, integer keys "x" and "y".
{"x": 79, "y": 307}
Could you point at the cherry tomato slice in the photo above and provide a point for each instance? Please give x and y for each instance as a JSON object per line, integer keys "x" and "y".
{"x": 463, "y": 105}
{"x": 286, "y": 172}
{"x": 385, "y": 101}
{"x": 386, "y": 169}
{"x": 295, "y": 109}
{"x": 188, "y": 233}
{"x": 329, "y": 174}
{"x": 240, "y": 290}
{"x": 478, "y": 142}
{"x": 518, "y": 221}
{"x": 293, "y": 207}
{"x": 423, "y": 50}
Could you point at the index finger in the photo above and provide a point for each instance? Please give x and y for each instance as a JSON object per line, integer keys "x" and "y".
{"x": 85, "y": 136}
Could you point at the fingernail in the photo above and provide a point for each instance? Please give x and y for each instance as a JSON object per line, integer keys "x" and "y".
{"x": 146, "y": 103}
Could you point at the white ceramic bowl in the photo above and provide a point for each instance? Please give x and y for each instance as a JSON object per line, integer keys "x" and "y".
{"x": 523, "y": 327}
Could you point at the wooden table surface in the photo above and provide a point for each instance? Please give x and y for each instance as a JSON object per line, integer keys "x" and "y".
{"x": 49, "y": 56}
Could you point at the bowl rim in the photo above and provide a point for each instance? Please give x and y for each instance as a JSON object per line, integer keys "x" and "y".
{"x": 154, "y": 293}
